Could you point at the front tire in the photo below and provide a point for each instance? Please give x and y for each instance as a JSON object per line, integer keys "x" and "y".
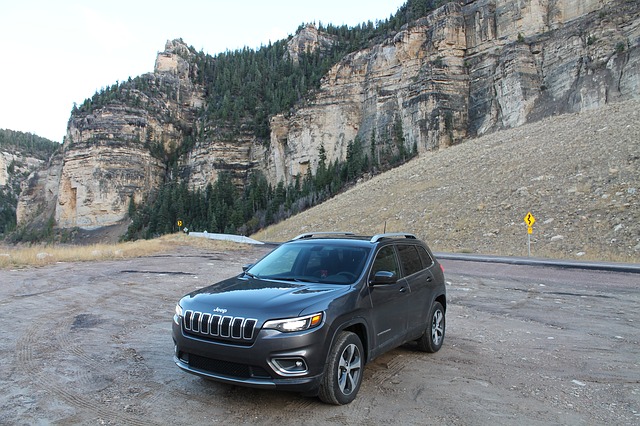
{"x": 431, "y": 340}
{"x": 343, "y": 370}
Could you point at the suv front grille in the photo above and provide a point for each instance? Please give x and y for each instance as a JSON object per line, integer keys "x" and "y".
{"x": 218, "y": 326}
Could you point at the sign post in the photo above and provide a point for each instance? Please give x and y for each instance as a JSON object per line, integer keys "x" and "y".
{"x": 529, "y": 220}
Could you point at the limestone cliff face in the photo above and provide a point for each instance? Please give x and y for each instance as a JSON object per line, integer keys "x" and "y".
{"x": 5, "y": 160}
{"x": 418, "y": 77}
{"x": 308, "y": 40}
{"x": 242, "y": 153}
{"x": 531, "y": 59}
{"x": 108, "y": 152}
{"x": 469, "y": 68}
{"x": 14, "y": 167}
{"x": 98, "y": 180}
{"x": 22, "y": 164}
{"x": 208, "y": 158}
{"x": 39, "y": 193}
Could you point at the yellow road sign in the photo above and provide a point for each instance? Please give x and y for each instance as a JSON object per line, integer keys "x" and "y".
{"x": 529, "y": 220}
{"x": 530, "y": 230}
{"x": 179, "y": 224}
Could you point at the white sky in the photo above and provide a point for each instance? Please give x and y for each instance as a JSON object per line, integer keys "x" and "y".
{"x": 55, "y": 53}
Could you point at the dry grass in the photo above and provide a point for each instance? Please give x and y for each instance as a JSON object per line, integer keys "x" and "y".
{"x": 579, "y": 174}
{"x": 40, "y": 255}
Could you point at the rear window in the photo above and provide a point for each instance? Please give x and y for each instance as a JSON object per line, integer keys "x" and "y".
{"x": 410, "y": 259}
{"x": 427, "y": 260}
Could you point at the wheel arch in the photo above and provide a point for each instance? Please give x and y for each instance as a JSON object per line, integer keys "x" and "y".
{"x": 443, "y": 301}
{"x": 359, "y": 328}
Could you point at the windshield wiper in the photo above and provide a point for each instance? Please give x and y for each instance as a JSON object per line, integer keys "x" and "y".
{"x": 296, "y": 279}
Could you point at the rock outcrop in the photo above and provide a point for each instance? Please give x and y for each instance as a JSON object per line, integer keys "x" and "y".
{"x": 39, "y": 193}
{"x": 13, "y": 169}
{"x": 114, "y": 154}
{"x": 469, "y": 68}
{"x": 418, "y": 77}
{"x": 21, "y": 164}
{"x": 307, "y": 40}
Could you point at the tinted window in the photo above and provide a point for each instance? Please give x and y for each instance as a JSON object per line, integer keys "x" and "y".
{"x": 278, "y": 262}
{"x": 313, "y": 263}
{"x": 385, "y": 261}
{"x": 427, "y": 261}
{"x": 324, "y": 261}
{"x": 410, "y": 259}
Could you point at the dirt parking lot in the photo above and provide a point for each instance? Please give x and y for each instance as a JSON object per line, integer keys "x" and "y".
{"x": 90, "y": 343}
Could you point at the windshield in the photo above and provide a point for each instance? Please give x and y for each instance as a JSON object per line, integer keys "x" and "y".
{"x": 321, "y": 263}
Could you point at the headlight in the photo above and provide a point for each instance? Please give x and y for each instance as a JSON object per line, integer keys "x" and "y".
{"x": 178, "y": 315}
{"x": 295, "y": 324}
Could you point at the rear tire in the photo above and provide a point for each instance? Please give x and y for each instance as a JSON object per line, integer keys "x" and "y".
{"x": 343, "y": 370}
{"x": 431, "y": 340}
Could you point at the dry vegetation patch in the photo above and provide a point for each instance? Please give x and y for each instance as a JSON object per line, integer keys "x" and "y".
{"x": 40, "y": 255}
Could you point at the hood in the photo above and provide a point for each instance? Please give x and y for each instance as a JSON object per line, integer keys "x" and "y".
{"x": 243, "y": 296}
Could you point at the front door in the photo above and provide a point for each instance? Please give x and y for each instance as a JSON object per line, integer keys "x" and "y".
{"x": 390, "y": 303}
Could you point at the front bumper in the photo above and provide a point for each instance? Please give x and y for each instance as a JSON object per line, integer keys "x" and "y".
{"x": 253, "y": 366}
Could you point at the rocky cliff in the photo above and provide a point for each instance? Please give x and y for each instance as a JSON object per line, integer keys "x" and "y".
{"x": 13, "y": 168}
{"x": 469, "y": 68}
{"x": 21, "y": 154}
{"x": 115, "y": 153}
{"x": 466, "y": 70}
{"x": 39, "y": 193}
{"x": 21, "y": 163}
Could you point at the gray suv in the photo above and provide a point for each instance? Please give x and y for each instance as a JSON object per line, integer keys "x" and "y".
{"x": 309, "y": 315}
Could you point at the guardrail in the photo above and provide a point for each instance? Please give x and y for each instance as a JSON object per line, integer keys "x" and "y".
{"x": 528, "y": 261}
{"x": 225, "y": 237}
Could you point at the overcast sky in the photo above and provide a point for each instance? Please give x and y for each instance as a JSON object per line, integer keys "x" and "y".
{"x": 55, "y": 53}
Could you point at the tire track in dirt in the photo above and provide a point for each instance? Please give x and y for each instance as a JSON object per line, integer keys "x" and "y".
{"x": 385, "y": 371}
{"x": 35, "y": 340}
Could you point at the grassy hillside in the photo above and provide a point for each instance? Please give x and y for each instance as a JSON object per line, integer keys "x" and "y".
{"x": 578, "y": 174}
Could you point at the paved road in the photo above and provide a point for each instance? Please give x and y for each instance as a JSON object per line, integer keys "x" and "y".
{"x": 89, "y": 343}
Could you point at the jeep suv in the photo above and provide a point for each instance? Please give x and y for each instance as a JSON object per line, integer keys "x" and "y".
{"x": 309, "y": 315}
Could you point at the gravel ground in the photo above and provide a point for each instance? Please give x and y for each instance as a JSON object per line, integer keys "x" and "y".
{"x": 578, "y": 174}
{"x": 90, "y": 343}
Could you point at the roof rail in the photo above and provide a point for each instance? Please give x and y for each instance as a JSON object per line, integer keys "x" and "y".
{"x": 378, "y": 237}
{"x": 314, "y": 234}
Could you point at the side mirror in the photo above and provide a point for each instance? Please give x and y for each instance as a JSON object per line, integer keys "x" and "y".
{"x": 246, "y": 267}
{"x": 384, "y": 277}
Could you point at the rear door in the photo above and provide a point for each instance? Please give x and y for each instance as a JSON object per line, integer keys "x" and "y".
{"x": 417, "y": 273}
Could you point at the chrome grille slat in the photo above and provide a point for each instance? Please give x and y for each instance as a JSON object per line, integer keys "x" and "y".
{"x": 215, "y": 325}
{"x": 225, "y": 329}
{"x": 205, "y": 324}
{"x": 196, "y": 321}
{"x": 248, "y": 328}
{"x": 236, "y": 328}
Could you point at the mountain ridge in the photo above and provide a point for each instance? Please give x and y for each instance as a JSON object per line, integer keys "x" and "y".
{"x": 468, "y": 68}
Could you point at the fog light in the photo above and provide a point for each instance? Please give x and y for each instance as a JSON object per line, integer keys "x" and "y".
{"x": 182, "y": 356}
{"x": 289, "y": 366}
